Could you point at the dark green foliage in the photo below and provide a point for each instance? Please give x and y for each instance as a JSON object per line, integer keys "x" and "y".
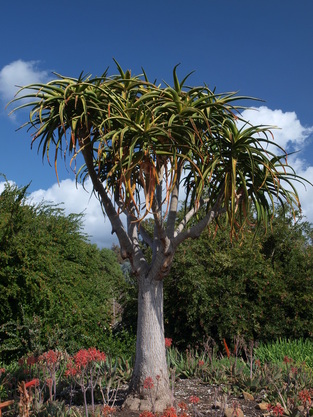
{"x": 260, "y": 287}
{"x": 290, "y": 251}
{"x": 56, "y": 289}
{"x": 215, "y": 288}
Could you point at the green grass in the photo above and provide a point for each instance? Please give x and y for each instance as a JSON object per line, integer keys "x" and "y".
{"x": 299, "y": 351}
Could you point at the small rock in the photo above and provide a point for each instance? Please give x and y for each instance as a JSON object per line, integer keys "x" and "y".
{"x": 132, "y": 403}
{"x": 144, "y": 405}
{"x": 231, "y": 412}
{"x": 160, "y": 406}
{"x": 262, "y": 406}
{"x": 247, "y": 396}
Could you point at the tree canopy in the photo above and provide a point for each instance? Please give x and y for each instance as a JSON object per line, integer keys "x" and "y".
{"x": 142, "y": 142}
{"x": 258, "y": 287}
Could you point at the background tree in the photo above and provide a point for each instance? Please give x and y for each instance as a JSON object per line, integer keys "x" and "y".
{"x": 56, "y": 289}
{"x": 258, "y": 287}
{"x": 140, "y": 143}
{"x": 289, "y": 249}
{"x": 249, "y": 287}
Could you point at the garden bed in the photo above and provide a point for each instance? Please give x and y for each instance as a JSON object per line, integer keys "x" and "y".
{"x": 213, "y": 400}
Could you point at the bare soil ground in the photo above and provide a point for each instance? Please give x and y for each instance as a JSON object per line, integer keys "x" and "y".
{"x": 213, "y": 401}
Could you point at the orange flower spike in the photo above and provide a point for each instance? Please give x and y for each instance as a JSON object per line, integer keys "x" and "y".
{"x": 226, "y": 348}
{"x": 32, "y": 383}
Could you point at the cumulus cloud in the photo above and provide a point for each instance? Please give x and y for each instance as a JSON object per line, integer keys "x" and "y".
{"x": 19, "y": 73}
{"x": 76, "y": 200}
{"x": 305, "y": 192}
{"x": 2, "y": 185}
{"x": 289, "y": 132}
{"x": 292, "y": 136}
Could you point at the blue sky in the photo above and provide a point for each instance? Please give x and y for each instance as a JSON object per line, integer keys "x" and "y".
{"x": 258, "y": 48}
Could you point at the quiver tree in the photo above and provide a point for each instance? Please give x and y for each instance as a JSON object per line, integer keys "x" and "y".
{"x": 144, "y": 148}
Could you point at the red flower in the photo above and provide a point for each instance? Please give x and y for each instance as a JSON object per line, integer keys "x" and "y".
{"x": 95, "y": 355}
{"x": 84, "y": 360}
{"x": 148, "y": 383}
{"x": 193, "y": 399}
{"x": 168, "y": 342}
{"x": 50, "y": 357}
{"x": 287, "y": 359}
{"x": 226, "y": 348}
{"x": 201, "y": 363}
{"x": 277, "y": 410}
{"x": 81, "y": 358}
{"x": 85, "y": 357}
{"x": 294, "y": 370}
{"x": 107, "y": 410}
{"x": 183, "y": 406}
{"x": 305, "y": 397}
{"x": 71, "y": 369}
{"x": 49, "y": 382}
{"x": 31, "y": 360}
{"x": 169, "y": 412}
{"x": 2, "y": 371}
{"x": 32, "y": 383}
{"x": 146, "y": 413}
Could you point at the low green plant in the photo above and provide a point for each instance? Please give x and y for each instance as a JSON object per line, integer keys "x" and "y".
{"x": 274, "y": 377}
{"x": 53, "y": 409}
{"x": 300, "y": 350}
{"x": 187, "y": 364}
{"x": 124, "y": 367}
{"x": 113, "y": 372}
{"x": 215, "y": 373}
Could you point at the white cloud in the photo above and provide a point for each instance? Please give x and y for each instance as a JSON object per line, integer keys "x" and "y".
{"x": 292, "y": 136}
{"x": 305, "y": 192}
{"x": 77, "y": 200}
{"x": 2, "y": 185}
{"x": 74, "y": 199}
{"x": 19, "y": 73}
{"x": 289, "y": 132}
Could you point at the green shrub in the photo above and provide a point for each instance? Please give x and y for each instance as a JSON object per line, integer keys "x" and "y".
{"x": 56, "y": 289}
{"x": 259, "y": 287}
{"x": 118, "y": 343}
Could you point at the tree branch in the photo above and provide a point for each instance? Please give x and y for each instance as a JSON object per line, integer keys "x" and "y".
{"x": 195, "y": 230}
{"x": 170, "y": 229}
{"x": 129, "y": 247}
{"x": 188, "y": 216}
{"x": 145, "y": 236}
{"x": 162, "y": 261}
{"x": 157, "y": 215}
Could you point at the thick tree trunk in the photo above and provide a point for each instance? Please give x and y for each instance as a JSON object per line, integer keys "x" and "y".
{"x": 150, "y": 359}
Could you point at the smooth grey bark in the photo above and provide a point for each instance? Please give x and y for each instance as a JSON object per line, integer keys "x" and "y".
{"x": 150, "y": 361}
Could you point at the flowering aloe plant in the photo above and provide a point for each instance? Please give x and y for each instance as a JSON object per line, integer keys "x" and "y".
{"x": 85, "y": 368}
